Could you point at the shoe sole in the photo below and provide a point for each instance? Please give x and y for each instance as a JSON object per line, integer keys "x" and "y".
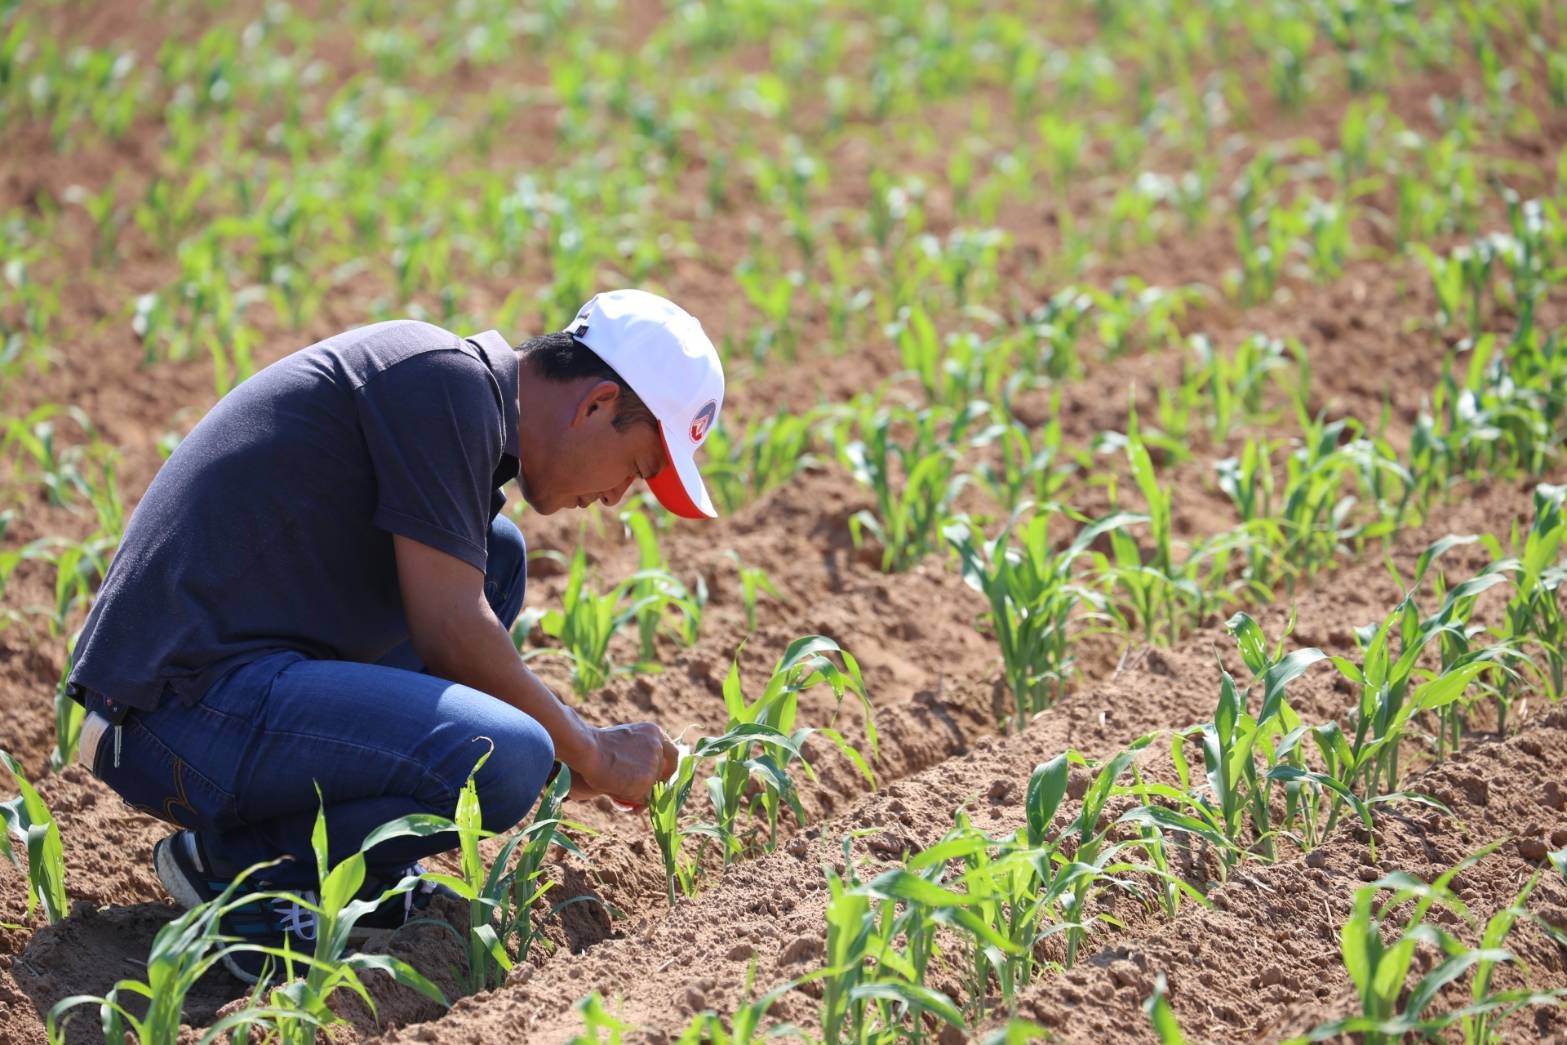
{"x": 237, "y": 971}
{"x": 171, "y": 875}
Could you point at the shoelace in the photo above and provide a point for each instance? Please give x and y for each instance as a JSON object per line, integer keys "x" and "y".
{"x": 301, "y": 921}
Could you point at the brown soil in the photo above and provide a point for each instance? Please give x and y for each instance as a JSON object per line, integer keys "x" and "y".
{"x": 1234, "y": 974}
{"x": 702, "y": 948}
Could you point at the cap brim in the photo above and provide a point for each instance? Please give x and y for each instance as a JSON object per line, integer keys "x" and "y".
{"x": 678, "y": 485}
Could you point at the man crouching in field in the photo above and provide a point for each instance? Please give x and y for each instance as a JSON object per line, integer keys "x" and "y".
{"x": 318, "y": 587}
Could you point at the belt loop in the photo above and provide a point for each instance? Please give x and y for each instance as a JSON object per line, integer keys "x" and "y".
{"x": 117, "y": 728}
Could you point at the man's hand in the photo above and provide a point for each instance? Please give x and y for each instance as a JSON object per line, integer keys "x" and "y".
{"x": 627, "y": 761}
{"x": 457, "y": 636}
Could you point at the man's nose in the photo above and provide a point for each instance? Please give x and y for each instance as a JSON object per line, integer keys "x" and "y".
{"x": 613, "y": 497}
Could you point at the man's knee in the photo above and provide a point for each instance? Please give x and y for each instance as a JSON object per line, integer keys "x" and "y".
{"x": 514, "y": 774}
{"x": 506, "y": 569}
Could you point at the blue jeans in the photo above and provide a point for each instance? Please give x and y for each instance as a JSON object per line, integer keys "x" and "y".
{"x": 381, "y": 741}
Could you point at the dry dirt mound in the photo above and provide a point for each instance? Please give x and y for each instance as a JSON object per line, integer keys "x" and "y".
{"x": 771, "y": 912}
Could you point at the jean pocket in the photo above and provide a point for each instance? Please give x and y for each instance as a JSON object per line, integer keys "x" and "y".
{"x": 158, "y": 782}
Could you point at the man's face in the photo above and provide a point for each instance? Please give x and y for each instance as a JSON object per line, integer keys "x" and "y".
{"x": 590, "y": 459}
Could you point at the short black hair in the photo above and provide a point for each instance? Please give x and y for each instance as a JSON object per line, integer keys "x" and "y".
{"x": 561, "y": 357}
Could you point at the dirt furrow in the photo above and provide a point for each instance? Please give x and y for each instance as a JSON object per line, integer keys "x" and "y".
{"x": 771, "y": 910}
{"x": 1264, "y": 964}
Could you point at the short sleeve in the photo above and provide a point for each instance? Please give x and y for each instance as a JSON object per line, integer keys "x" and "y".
{"x": 433, "y": 428}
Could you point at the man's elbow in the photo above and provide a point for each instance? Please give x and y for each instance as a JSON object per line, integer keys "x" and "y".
{"x": 446, "y": 645}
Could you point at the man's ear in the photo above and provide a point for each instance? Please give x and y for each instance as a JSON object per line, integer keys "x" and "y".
{"x": 601, "y": 400}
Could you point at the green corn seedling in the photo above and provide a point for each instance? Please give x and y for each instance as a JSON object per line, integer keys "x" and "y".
{"x": 1161, "y": 1016}
{"x": 1162, "y": 588}
{"x": 871, "y": 990}
{"x": 587, "y": 621}
{"x": 301, "y": 1006}
{"x": 68, "y": 718}
{"x": 907, "y": 519}
{"x": 295, "y": 1011}
{"x": 765, "y": 455}
{"x": 745, "y": 1023}
{"x": 1534, "y": 614}
{"x": 182, "y": 953}
{"x": 1035, "y": 601}
{"x": 1243, "y": 756}
{"x": 1027, "y": 888}
{"x": 1091, "y": 868}
{"x": 501, "y": 896}
{"x": 664, "y": 808}
{"x": 657, "y": 591}
{"x": 1387, "y": 677}
{"x": 1031, "y": 466}
{"x": 761, "y": 738}
{"x": 1379, "y": 944}
{"x": 28, "y": 820}
{"x": 911, "y": 906}
{"x": 600, "y": 1026}
{"x": 751, "y": 759}
{"x": 522, "y": 885}
{"x": 754, "y": 583}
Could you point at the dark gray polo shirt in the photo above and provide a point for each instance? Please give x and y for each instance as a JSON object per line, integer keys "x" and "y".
{"x": 270, "y": 526}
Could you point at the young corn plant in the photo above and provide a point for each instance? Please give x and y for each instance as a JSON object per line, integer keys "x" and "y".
{"x": 1534, "y": 617}
{"x": 1093, "y": 865}
{"x": 657, "y": 592}
{"x": 960, "y": 368}
{"x": 587, "y": 620}
{"x": 766, "y": 454}
{"x": 754, "y": 583}
{"x": 1060, "y": 325}
{"x": 501, "y": 895}
{"x": 1315, "y": 520}
{"x": 753, "y": 773}
{"x": 872, "y": 991}
{"x": 1379, "y": 944}
{"x": 1036, "y": 601}
{"x": 751, "y": 760}
{"x": 300, "y": 1005}
{"x": 1248, "y": 481}
{"x": 1161, "y": 1015}
{"x": 1247, "y": 757}
{"x": 522, "y": 885}
{"x": 1162, "y": 588}
{"x": 297, "y": 1010}
{"x": 1230, "y": 386}
{"x": 1501, "y": 415}
{"x": 1034, "y": 885}
{"x": 906, "y": 522}
{"x": 28, "y": 820}
{"x": 182, "y": 952}
{"x": 665, "y": 805}
{"x": 68, "y": 718}
{"x": 744, "y": 1025}
{"x": 1028, "y": 466}
{"x": 1392, "y": 692}
{"x": 600, "y": 1026}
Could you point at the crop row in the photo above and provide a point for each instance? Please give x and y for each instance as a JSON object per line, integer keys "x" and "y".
{"x": 238, "y": 242}
{"x": 1242, "y": 786}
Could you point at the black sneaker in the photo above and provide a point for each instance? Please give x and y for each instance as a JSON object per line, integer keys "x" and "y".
{"x": 186, "y": 870}
{"x": 375, "y": 928}
{"x": 192, "y": 878}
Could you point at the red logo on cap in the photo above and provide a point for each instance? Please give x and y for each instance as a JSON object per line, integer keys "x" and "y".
{"x": 703, "y": 420}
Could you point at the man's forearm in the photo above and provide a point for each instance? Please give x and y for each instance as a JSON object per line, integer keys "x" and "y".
{"x": 480, "y": 655}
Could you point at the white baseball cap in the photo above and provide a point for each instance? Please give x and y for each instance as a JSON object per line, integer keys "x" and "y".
{"x": 660, "y": 350}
